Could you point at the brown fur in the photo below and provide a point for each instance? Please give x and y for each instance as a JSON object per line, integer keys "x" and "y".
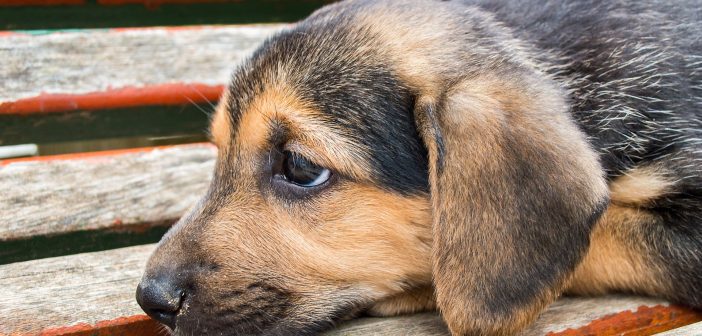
{"x": 310, "y": 137}
{"x": 487, "y": 207}
{"x": 639, "y": 186}
{"x": 410, "y": 301}
{"x": 482, "y": 108}
{"x": 615, "y": 261}
{"x": 220, "y": 132}
{"x": 618, "y": 259}
{"x": 310, "y": 256}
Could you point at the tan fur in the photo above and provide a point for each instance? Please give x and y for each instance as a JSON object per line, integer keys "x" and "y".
{"x": 479, "y": 107}
{"x": 407, "y": 302}
{"x": 220, "y": 124}
{"x": 639, "y": 186}
{"x": 616, "y": 261}
{"x": 328, "y": 248}
{"x": 418, "y": 47}
{"x": 482, "y": 108}
{"x": 328, "y": 244}
{"x": 311, "y": 138}
{"x": 355, "y": 238}
{"x": 504, "y": 155}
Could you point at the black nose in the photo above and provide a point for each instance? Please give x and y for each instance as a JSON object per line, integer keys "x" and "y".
{"x": 161, "y": 299}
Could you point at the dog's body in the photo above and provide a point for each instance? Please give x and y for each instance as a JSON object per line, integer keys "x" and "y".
{"x": 500, "y": 152}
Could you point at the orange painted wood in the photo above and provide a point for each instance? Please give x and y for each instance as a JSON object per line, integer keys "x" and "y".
{"x": 643, "y": 321}
{"x": 122, "y": 326}
{"x": 162, "y": 94}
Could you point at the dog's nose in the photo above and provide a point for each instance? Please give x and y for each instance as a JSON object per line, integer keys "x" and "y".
{"x": 160, "y": 298}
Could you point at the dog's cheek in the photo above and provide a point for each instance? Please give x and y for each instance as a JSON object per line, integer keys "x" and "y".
{"x": 374, "y": 237}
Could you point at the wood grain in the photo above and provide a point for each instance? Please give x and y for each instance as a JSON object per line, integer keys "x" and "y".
{"x": 99, "y": 60}
{"x": 690, "y": 330}
{"x": 65, "y": 291}
{"x": 86, "y": 293}
{"x": 123, "y": 191}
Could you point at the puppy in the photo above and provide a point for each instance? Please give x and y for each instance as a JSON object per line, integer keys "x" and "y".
{"x": 478, "y": 157}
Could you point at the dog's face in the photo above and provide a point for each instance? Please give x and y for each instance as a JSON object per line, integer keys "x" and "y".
{"x": 330, "y": 143}
{"x": 319, "y": 204}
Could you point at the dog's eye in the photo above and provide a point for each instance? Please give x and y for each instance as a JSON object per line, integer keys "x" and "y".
{"x": 300, "y": 171}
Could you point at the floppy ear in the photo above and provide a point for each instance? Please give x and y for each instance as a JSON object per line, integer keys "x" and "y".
{"x": 515, "y": 191}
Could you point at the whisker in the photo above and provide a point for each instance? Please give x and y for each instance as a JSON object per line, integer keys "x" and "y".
{"x": 198, "y": 106}
{"x": 213, "y": 106}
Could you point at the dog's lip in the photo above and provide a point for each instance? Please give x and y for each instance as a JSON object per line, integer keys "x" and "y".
{"x": 182, "y": 310}
{"x": 334, "y": 318}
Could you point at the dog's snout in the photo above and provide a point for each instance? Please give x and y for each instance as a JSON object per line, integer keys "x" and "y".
{"x": 161, "y": 298}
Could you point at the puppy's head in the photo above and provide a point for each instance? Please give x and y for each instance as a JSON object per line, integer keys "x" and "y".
{"x": 361, "y": 157}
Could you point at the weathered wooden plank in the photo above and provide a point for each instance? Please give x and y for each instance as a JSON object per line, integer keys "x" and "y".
{"x": 87, "y": 293}
{"x": 65, "y": 291}
{"x": 145, "y": 82}
{"x": 690, "y": 330}
{"x": 93, "y": 14}
{"x": 90, "y": 61}
{"x": 609, "y": 315}
{"x": 70, "y": 198}
{"x": 49, "y": 197}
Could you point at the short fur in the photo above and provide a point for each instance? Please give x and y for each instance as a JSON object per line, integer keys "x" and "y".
{"x": 487, "y": 157}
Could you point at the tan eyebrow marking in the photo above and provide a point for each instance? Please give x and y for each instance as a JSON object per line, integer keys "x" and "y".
{"x": 220, "y": 126}
{"x": 307, "y": 133}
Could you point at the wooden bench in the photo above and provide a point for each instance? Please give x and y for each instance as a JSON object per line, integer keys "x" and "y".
{"x": 77, "y": 228}
{"x": 690, "y": 330}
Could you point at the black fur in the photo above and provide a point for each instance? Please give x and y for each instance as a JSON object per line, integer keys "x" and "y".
{"x": 357, "y": 94}
{"x": 634, "y": 70}
{"x": 631, "y": 72}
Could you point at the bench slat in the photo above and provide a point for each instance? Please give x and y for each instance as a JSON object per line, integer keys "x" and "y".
{"x": 68, "y": 200}
{"x": 88, "y": 61}
{"x": 690, "y": 330}
{"x": 93, "y": 291}
{"x": 151, "y": 81}
{"x": 64, "y": 291}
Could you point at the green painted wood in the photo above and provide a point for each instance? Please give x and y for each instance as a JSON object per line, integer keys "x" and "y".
{"x": 116, "y": 123}
{"x": 94, "y": 15}
{"x": 39, "y": 247}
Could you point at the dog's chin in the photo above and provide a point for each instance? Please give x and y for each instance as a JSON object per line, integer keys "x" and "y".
{"x": 290, "y": 325}
{"x": 282, "y": 328}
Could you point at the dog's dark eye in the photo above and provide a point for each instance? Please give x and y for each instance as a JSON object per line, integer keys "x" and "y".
{"x": 300, "y": 171}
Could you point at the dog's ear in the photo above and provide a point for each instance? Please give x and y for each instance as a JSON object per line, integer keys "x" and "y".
{"x": 515, "y": 192}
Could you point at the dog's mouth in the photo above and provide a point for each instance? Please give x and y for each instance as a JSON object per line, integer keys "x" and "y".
{"x": 264, "y": 321}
